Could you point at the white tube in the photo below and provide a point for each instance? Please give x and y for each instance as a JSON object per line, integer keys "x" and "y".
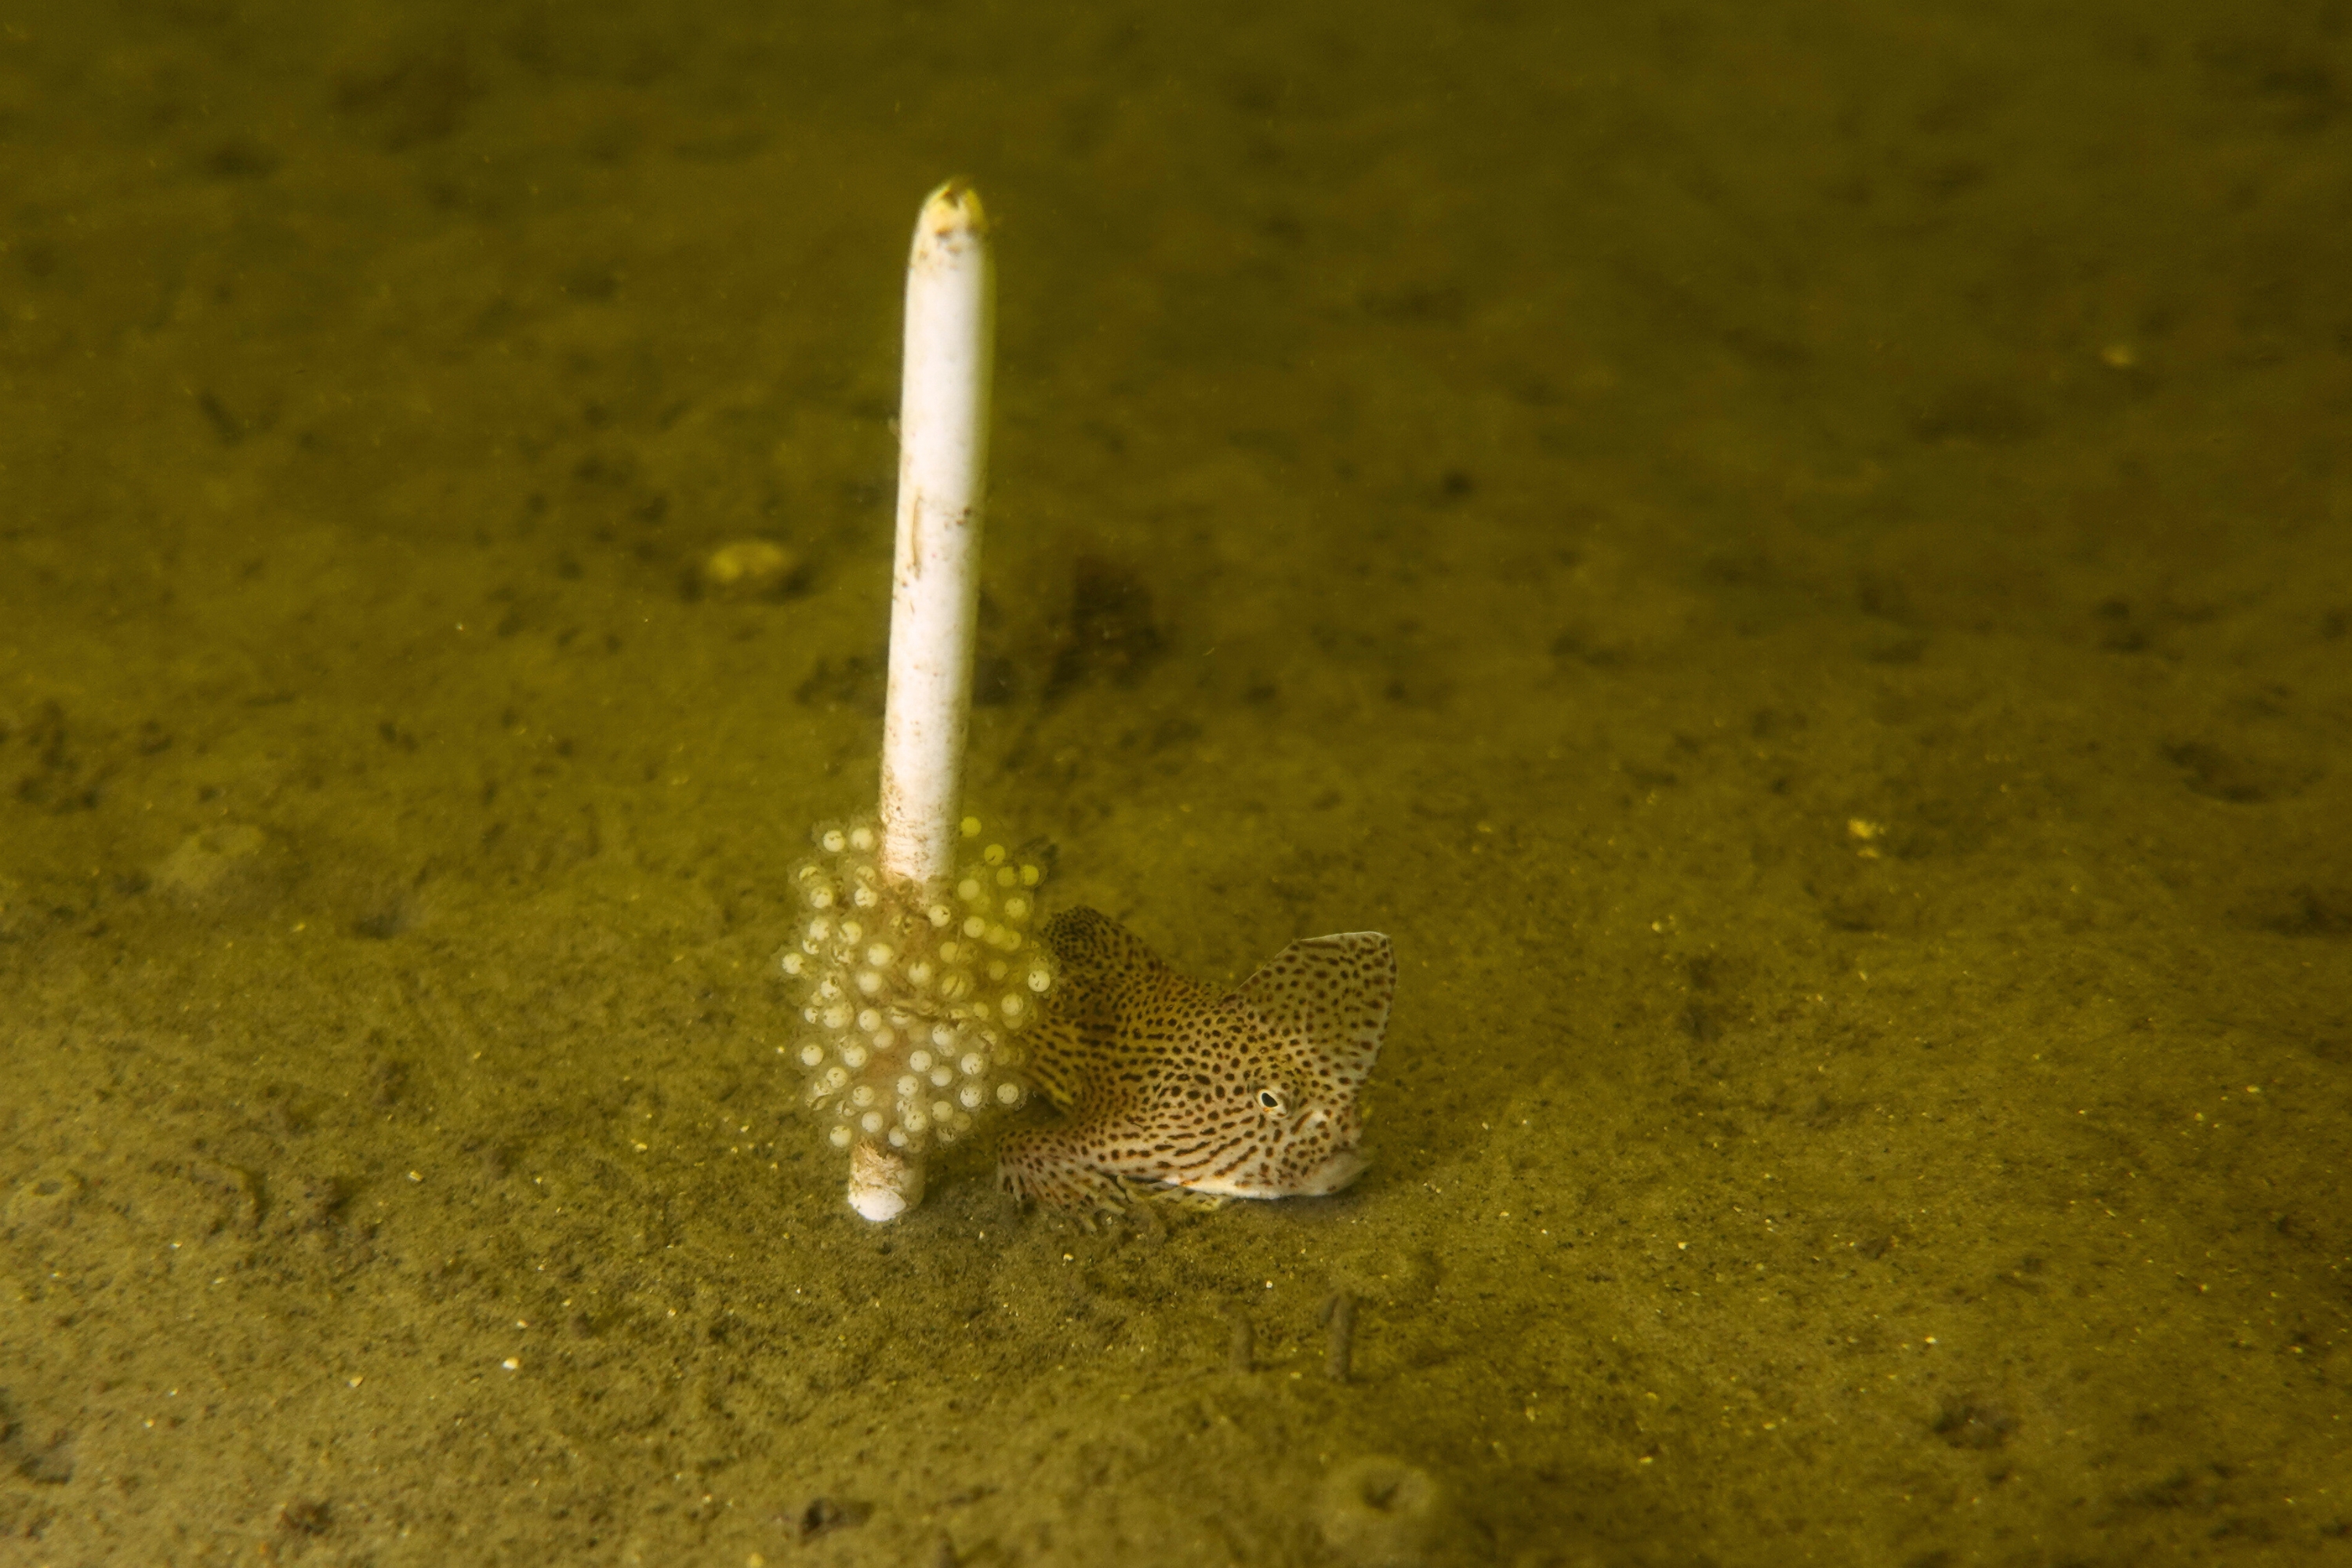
{"x": 943, "y": 483}
{"x": 935, "y": 585}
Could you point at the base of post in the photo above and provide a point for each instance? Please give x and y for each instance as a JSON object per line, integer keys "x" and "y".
{"x": 883, "y": 1182}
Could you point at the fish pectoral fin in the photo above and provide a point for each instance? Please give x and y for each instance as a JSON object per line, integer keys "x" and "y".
{"x": 1051, "y": 1166}
{"x": 1185, "y": 1197}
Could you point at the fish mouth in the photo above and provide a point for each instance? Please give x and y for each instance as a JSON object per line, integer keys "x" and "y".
{"x": 1332, "y": 1175}
{"x": 1325, "y": 1179}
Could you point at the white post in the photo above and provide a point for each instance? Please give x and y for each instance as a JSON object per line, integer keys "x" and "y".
{"x": 942, "y": 482}
{"x": 935, "y": 586}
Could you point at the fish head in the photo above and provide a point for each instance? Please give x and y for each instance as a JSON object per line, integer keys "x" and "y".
{"x": 1292, "y": 1134}
{"x": 1285, "y": 1120}
{"x": 1302, "y": 1035}
{"x": 1253, "y": 1094}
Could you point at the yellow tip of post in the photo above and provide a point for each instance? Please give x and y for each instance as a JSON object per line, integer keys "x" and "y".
{"x": 954, "y": 211}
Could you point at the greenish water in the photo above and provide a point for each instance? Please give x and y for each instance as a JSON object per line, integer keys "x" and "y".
{"x": 1797, "y": 560}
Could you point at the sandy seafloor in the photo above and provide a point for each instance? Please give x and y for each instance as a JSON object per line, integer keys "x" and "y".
{"x": 1798, "y": 559}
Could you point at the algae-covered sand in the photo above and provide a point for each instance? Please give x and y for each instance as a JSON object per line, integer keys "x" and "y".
{"x": 1797, "y": 560}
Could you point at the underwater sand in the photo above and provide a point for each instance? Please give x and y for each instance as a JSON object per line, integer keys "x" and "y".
{"x": 1797, "y": 560}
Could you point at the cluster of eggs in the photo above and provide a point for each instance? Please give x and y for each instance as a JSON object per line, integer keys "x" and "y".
{"x": 912, "y": 997}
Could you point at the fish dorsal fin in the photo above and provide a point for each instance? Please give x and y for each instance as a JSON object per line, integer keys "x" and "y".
{"x": 1331, "y": 994}
{"x": 1105, "y": 972}
{"x": 1110, "y": 994}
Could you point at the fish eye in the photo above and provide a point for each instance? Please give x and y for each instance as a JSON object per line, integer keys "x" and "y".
{"x": 1270, "y": 1097}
